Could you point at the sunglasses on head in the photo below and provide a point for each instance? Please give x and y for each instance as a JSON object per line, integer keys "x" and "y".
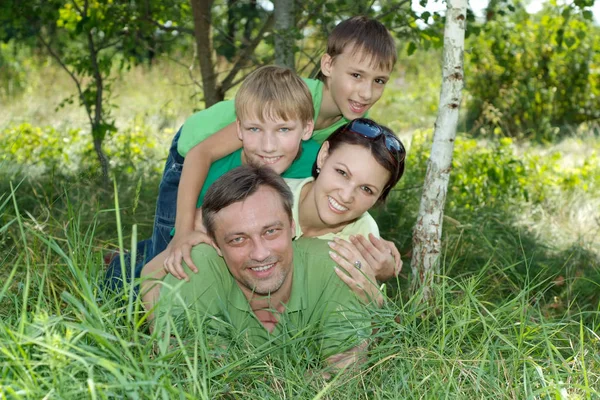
{"x": 369, "y": 129}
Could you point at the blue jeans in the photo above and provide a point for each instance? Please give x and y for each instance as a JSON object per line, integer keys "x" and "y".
{"x": 166, "y": 204}
{"x": 116, "y": 275}
{"x": 164, "y": 222}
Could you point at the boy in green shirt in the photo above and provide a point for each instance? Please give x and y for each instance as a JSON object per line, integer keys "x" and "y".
{"x": 274, "y": 113}
{"x": 354, "y": 71}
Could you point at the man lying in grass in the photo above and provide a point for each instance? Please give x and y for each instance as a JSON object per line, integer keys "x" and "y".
{"x": 259, "y": 285}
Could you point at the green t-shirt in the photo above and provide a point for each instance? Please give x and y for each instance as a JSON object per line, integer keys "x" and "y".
{"x": 320, "y": 303}
{"x": 316, "y": 89}
{"x": 204, "y": 123}
{"x": 300, "y": 168}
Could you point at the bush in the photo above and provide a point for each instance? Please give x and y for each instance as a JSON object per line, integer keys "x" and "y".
{"x": 16, "y": 69}
{"x": 43, "y": 150}
{"x": 495, "y": 174}
{"x": 528, "y": 76}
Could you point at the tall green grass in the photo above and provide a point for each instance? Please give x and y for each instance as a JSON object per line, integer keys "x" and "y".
{"x": 62, "y": 337}
{"x": 515, "y": 311}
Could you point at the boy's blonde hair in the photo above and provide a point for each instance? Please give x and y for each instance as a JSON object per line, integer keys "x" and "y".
{"x": 273, "y": 92}
{"x": 366, "y": 36}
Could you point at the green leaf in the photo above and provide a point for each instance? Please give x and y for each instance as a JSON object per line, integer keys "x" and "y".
{"x": 570, "y": 41}
{"x": 411, "y": 48}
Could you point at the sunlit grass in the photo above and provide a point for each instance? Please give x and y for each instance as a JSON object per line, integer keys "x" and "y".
{"x": 514, "y": 315}
{"x": 61, "y": 336}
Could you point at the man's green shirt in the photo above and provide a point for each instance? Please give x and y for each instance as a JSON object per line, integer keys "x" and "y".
{"x": 320, "y": 302}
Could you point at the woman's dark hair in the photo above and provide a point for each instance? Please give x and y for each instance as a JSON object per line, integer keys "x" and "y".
{"x": 393, "y": 163}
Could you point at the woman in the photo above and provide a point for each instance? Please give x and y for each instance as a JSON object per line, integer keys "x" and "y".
{"x": 356, "y": 167}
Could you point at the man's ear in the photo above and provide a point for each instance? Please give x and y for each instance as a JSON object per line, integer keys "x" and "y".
{"x": 326, "y": 64}
{"x": 309, "y": 126}
{"x": 323, "y": 154}
{"x": 238, "y": 125}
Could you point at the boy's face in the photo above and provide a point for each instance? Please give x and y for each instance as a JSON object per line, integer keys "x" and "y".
{"x": 354, "y": 81}
{"x": 274, "y": 143}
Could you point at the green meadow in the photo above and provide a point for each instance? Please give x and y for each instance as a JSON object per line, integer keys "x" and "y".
{"x": 515, "y": 312}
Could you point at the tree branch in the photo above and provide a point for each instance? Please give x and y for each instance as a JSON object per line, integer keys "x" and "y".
{"x": 312, "y": 60}
{"x": 393, "y": 9}
{"x": 97, "y": 78}
{"x": 245, "y": 54}
{"x": 71, "y": 74}
{"x": 302, "y": 24}
{"x": 169, "y": 28}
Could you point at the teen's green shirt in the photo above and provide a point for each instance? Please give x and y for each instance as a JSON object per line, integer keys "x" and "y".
{"x": 300, "y": 168}
{"x": 204, "y": 123}
{"x": 316, "y": 89}
{"x": 321, "y": 306}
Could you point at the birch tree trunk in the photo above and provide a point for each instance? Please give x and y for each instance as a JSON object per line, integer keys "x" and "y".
{"x": 284, "y": 34}
{"x": 427, "y": 233}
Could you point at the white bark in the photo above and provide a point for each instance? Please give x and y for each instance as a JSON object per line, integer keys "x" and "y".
{"x": 284, "y": 35}
{"x": 427, "y": 233}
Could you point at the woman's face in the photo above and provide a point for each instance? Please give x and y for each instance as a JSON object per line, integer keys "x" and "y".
{"x": 350, "y": 182}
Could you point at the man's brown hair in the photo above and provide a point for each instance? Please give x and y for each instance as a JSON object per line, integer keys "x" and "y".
{"x": 236, "y": 185}
{"x": 366, "y": 36}
{"x": 273, "y": 92}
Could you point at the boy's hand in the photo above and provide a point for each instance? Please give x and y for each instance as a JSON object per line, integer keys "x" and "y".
{"x": 180, "y": 248}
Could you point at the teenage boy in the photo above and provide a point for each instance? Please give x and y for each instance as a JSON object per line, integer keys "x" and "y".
{"x": 360, "y": 56}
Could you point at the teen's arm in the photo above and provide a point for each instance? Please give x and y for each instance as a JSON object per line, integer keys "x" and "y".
{"x": 195, "y": 169}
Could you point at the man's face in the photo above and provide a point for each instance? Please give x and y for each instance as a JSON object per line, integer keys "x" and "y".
{"x": 254, "y": 237}
{"x": 355, "y": 82}
{"x": 273, "y": 142}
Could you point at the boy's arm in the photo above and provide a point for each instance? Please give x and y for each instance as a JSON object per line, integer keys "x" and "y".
{"x": 195, "y": 170}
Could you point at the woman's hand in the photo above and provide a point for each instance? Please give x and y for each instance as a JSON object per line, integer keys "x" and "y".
{"x": 182, "y": 249}
{"x": 358, "y": 275}
{"x": 381, "y": 254}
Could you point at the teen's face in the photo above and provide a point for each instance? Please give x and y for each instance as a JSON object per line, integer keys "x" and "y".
{"x": 354, "y": 82}
{"x": 272, "y": 143}
{"x": 350, "y": 182}
{"x": 254, "y": 237}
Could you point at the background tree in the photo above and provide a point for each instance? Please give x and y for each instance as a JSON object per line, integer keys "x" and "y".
{"x": 233, "y": 37}
{"x": 284, "y": 33}
{"x": 83, "y": 37}
{"x": 427, "y": 233}
{"x": 533, "y": 75}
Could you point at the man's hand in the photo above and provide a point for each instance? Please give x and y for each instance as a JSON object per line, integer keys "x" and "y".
{"x": 180, "y": 248}
{"x": 357, "y": 272}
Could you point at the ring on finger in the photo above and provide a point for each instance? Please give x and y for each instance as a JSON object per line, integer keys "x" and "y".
{"x": 358, "y": 264}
